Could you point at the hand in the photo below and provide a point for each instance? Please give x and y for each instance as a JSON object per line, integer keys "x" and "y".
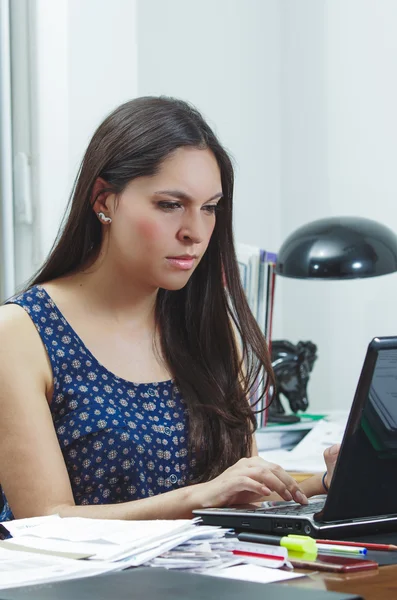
{"x": 330, "y": 457}
{"x": 248, "y": 481}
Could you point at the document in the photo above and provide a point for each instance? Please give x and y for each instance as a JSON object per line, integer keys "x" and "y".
{"x": 307, "y": 456}
{"x": 249, "y": 572}
{"x": 46, "y": 549}
{"x": 24, "y": 568}
{"x": 130, "y": 543}
{"x": 19, "y": 526}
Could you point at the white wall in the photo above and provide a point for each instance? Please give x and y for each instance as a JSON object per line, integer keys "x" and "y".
{"x": 339, "y": 156}
{"x": 85, "y": 66}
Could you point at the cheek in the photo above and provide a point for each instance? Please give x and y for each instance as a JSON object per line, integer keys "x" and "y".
{"x": 150, "y": 231}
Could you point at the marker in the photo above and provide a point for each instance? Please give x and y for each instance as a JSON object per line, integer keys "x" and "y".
{"x": 368, "y": 546}
{"x": 340, "y": 549}
{"x": 298, "y": 543}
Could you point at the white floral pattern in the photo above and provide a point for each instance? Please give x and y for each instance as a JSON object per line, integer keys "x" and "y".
{"x": 120, "y": 440}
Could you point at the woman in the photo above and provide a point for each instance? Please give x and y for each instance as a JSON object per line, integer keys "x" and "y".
{"x": 123, "y": 394}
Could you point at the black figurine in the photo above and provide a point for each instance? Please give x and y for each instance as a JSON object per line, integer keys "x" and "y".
{"x": 292, "y": 365}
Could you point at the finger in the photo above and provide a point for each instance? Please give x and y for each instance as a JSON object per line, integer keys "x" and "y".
{"x": 285, "y": 486}
{"x": 275, "y": 484}
{"x": 281, "y": 482}
{"x": 245, "y": 483}
{"x": 266, "y": 477}
{"x": 332, "y": 451}
{"x": 290, "y": 484}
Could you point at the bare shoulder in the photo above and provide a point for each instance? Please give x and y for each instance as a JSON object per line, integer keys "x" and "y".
{"x": 15, "y": 322}
{"x": 21, "y": 347}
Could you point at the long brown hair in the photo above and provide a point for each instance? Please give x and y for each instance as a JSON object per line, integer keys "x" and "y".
{"x": 203, "y": 325}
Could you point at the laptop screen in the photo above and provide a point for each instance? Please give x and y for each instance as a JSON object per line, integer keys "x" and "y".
{"x": 365, "y": 479}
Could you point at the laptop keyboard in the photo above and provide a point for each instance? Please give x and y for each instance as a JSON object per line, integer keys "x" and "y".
{"x": 294, "y": 509}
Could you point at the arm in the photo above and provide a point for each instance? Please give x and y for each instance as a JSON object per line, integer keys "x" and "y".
{"x": 32, "y": 469}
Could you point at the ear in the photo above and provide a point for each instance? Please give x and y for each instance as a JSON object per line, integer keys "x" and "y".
{"x": 102, "y": 197}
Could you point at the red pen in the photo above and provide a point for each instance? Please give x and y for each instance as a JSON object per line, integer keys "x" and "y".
{"x": 369, "y": 546}
{"x": 257, "y": 555}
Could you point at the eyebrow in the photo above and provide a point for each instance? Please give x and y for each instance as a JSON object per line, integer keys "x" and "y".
{"x": 183, "y": 196}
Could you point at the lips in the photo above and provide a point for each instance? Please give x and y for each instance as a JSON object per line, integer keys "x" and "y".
{"x": 184, "y": 262}
{"x": 183, "y": 257}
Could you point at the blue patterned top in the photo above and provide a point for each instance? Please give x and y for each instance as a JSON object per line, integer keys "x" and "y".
{"x": 120, "y": 440}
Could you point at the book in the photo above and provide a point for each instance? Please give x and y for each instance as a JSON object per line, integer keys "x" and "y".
{"x": 258, "y": 278}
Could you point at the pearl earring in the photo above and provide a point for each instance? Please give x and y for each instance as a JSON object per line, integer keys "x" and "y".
{"x": 102, "y": 217}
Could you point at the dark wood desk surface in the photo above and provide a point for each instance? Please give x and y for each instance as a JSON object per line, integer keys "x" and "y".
{"x": 373, "y": 585}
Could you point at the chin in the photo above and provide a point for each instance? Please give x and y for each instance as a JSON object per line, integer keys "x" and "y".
{"x": 174, "y": 285}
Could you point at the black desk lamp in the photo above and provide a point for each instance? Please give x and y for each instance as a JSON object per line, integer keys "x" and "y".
{"x": 338, "y": 248}
{"x": 331, "y": 248}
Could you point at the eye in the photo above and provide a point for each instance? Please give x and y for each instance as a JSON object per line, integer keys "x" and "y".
{"x": 169, "y": 206}
{"x": 211, "y": 209}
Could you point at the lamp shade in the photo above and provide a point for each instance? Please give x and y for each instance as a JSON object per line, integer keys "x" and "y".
{"x": 338, "y": 248}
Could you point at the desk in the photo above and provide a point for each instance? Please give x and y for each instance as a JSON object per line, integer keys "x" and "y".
{"x": 299, "y": 477}
{"x": 374, "y": 585}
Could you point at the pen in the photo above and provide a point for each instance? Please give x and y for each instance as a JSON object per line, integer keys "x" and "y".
{"x": 368, "y": 546}
{"x": 334, "y": 548}
{"x": 298, "y": 543}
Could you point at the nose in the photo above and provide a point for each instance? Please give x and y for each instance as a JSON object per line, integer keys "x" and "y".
{"x": 192, "y": 229}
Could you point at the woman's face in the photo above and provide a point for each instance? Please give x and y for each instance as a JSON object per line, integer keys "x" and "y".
{"x": 162, "y": 225}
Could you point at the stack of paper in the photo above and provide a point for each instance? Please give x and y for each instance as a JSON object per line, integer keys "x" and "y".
{"x": 230, "y": 558}
{"x": 307, "y": 456}
{"x": 130, "y": 543}
{"x": 273, "y": 437}
{"x": 45, "y": 549}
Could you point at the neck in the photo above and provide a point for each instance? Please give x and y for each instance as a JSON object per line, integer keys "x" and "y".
{"x": 111, "y": 290}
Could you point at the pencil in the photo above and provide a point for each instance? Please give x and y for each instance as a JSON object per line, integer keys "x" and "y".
{"x": 369, "y": 546}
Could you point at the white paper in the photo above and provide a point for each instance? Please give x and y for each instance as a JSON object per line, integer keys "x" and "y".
{"x": 55, "y": 546}
{"x": 251, "y": 572}
{"x": 307, "y": 456}
{"x": 23, "y": 568}
{"x": 122, "y": 544}
{"x": 298, "y": 464}
{"x": 103, "y": 550}
{"x": 133, "y": 542}
{"x": 78, "y": 529}
{"x": 324, "y": 434}
{"x": 21, "y": 526}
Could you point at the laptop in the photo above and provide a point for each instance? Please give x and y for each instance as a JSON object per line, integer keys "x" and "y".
{"x": 363, "y": 495}
{"x": 159, "y": 584}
